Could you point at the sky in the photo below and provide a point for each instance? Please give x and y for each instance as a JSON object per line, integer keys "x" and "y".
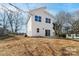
{"x": 52, "y": 8}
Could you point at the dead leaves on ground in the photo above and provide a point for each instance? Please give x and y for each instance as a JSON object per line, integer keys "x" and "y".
{"x": 22, "y": 46}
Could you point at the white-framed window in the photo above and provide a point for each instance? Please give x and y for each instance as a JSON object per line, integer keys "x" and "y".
{"x": 38, "y": 18}
{"x": 48, "y": 20}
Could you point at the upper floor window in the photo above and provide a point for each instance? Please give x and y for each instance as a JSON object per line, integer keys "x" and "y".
{"x": 48, "y": 20}
{"x": 38, "y": 18}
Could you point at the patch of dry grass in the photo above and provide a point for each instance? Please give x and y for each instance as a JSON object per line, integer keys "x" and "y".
{"x": 22, "y": 46}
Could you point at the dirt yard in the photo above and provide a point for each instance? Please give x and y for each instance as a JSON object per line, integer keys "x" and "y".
{"x": 23, "y": 46}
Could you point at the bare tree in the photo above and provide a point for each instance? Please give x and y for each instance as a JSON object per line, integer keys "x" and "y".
{"x": 75, "y": 27}
{"x": 26, "y": 12}
{"x": 64, "y": 21}
{"x": 60, "y": 17}
{"x": 4, "y": 22}
{"x": 18, "y": 21}
{"x": 10, "y": 18}
{"x": 3, "y": 18}
{"x": 15, "y": 20}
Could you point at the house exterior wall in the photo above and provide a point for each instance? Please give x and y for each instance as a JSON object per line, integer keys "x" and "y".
{"x": 33, "y": 25}
{"x": 29, "y": 27}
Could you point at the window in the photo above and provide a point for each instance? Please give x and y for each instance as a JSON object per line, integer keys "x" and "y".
{"x": 38, "y": 18}
{"x": 48, "y": 20}
{"x": 37, "y": 29}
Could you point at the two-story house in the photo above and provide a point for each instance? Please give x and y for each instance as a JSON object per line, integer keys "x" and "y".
{"x": 40, "y": 23}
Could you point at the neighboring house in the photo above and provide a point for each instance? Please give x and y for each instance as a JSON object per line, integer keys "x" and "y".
{"x": 72, "y": 35}
{"x": 40, "y": 23}
{"x": 66, "y": 27}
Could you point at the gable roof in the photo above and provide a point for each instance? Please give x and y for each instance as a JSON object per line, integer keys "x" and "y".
{"x": 42, "y": 8}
